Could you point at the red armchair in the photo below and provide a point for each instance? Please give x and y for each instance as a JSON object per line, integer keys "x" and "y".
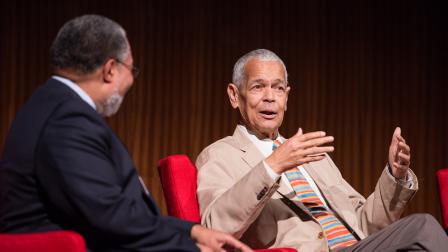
{"x": 55, "y": 241}
{"x": 178, "y": 177}
{"x": 442, "y": 178}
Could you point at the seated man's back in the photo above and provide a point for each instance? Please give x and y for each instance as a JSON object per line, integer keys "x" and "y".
{"x": 63, "y": 168}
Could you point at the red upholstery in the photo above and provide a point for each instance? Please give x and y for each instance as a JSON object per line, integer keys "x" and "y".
{"x": 178, "y": 177}
{"x": 56, "y": 241}
{"x": 180, "y": 190}
{"x": 442, "y": 177}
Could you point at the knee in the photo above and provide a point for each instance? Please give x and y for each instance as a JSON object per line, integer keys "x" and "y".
{"x": 424, "y": 219}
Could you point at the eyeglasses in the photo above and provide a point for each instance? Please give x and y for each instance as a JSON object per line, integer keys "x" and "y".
{"x": 134, "y": 70}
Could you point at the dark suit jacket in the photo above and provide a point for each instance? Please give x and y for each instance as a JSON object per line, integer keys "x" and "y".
{"x": 64, "y": 168}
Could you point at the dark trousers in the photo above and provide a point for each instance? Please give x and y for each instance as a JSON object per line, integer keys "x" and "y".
{"x": 417, "y": 232}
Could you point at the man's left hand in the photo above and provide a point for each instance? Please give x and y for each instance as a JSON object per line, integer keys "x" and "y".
{"x": 214, "y": 241}
{"x": 399, "y": 155}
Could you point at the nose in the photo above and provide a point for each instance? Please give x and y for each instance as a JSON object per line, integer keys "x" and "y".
{"x": 269, "y": 94}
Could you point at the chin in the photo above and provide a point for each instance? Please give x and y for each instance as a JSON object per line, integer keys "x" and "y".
{"x": 268, "y": 130}
{"x": 270, "y": 125}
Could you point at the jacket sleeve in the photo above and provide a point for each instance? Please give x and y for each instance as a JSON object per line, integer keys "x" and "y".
{"x": 86, "y": 190}
{"x": 386, "y": 204}
{"x": 230, "y": 198}
{"x": 382, "y": 207}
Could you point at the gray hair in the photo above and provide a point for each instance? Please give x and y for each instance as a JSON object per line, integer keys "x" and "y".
{"x": 86, "y": 42}
{"x": 239, "y": 74}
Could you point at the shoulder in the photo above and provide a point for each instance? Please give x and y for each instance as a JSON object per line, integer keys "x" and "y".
{"x": 73, "y": 116}
{"x": 73, "y": 121}
{"x": 219, "y": 149}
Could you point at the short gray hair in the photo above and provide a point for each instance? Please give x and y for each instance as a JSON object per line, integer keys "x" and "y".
{"x": 86, "y": 42}
{"x": 239, "y": 74}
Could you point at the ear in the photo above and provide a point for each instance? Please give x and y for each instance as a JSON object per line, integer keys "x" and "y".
{"x": 232, "y": 91}
{"x": 109, "y": 70}
{"x": 288, "y": 88}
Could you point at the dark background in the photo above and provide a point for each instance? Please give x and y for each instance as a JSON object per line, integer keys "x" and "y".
{"x": 357, "y": 70}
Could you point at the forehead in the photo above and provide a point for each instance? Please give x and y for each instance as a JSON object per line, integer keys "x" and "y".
{"x": 268, "y": 70}
{"x": 129, "y": 57}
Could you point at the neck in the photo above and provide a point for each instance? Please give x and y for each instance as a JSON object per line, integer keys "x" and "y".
{"x": 87, "y": 82}
{"x": 260, "y": 135}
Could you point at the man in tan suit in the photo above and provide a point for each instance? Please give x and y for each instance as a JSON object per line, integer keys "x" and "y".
{"x": 247, "y": 189}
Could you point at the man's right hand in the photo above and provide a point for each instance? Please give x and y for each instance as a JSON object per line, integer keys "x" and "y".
{"x": 214, "y": 241}
{"x": 300, "y": 149}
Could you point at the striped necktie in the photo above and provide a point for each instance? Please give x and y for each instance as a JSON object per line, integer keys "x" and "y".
{"x": 336, "y": 233}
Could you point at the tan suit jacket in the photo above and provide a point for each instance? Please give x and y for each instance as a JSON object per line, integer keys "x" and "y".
{"x": 237, "y": 195}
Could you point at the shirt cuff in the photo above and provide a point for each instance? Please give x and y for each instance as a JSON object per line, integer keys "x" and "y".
{"x": 271, "y": 173}
{"x": 405, "y": 182}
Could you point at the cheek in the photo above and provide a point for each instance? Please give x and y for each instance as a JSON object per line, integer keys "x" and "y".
{"x": 126, "y": 85}
{"x": 254, "y": 103}
{"x": 282, "y": 105}
{"x": 280, "y": 116}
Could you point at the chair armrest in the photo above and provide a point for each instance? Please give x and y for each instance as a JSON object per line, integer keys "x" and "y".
{"x": 54, "y": 241}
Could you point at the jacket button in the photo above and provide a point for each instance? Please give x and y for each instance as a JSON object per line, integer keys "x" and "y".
{"x": 262, "y": 193}
{"x": 320, "y": 235}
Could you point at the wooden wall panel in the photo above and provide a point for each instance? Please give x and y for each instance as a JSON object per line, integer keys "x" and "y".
{"x": 357, "y": 70}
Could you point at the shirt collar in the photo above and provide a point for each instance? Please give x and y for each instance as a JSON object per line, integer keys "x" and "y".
{"x": 84, "y": 96}
{"x": 264, "y": 145}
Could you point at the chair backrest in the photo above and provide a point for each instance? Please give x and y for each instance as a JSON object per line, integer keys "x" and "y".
{"x": 442, "y": 178}
{"x": 178, "y": 178}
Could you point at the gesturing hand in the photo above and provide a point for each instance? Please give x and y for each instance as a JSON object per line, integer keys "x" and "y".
{"x": 214, "y": 241}
{"x": 399, "y": 155}
{"x": 300, "y": 149}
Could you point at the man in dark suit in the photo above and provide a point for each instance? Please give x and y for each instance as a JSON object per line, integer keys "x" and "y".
{"x": 63, "y": 168}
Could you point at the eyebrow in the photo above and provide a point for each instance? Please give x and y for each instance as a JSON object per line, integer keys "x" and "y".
{"x": 259, "y": 81}
{"x": 279, "y": 81}
{"x": 275, "y": 81}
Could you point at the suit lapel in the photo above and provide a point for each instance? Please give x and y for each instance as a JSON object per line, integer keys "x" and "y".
{"x": 313, "y": 171}
{"x": 340, "y": 208}
{"x": 252, "y": 156}
{"x": 250, "y": 153}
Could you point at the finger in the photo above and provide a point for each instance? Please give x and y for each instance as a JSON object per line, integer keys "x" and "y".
{"x": 316, "y": 142}
{"x": 400, "y": 166}
{"x": 397, "y": 132}
{"x": 299, "y": 132}
{"x": 401, "y": 138}
{"x": 317, "y": 151}
{"x": 311, "y": 135}
{"x": 404, "y": 159}
{"x": 310, "y": 159}
{"x": 404, "y": 148}
{"x": 231, "y": 241}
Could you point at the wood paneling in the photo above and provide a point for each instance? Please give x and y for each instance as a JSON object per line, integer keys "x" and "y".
{"x": 357, "y": 70}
